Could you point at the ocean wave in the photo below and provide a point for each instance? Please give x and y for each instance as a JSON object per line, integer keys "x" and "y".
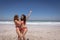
{"x": 32, "y": 23}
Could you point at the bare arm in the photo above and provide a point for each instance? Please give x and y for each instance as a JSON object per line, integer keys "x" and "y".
{"x": 18, "y": 22}
{"x": 27, "y": 17}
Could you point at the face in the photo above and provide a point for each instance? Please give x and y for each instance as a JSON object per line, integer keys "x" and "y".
{"x": 22, "y": 17}
{"x": 16, "y": 17}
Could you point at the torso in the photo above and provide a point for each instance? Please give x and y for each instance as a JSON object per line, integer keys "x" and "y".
{"x": 23, "y": 25}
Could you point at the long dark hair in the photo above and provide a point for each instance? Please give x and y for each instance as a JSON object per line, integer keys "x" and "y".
{"x": 24, "y": 18}
{"x": 16, "y": 18}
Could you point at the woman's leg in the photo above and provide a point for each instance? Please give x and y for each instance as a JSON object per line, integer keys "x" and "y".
{"x": 18, "y": 38}
{"x": 25, "y": 31}
{"x": 19, "y": 34}
{"x": 24, "y": 38}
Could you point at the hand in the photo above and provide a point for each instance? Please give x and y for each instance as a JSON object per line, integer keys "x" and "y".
{"x": 30, "y": 10}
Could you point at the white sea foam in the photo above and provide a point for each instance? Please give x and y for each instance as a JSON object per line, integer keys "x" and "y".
{"x": 32, "y": 23}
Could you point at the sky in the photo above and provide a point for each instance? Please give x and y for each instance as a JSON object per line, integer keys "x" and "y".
{"x": 41, "y": 9}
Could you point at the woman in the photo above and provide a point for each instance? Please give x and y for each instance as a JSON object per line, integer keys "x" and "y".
{"x": 17, "y": 24}
{"x": 23, "y": 28}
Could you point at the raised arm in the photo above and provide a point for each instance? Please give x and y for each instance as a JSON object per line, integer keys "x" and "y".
{"x": 27, "y": 17}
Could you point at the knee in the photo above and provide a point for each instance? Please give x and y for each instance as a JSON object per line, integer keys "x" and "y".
{"x": 26, "y": 30}
{"x": 19, "y": 36}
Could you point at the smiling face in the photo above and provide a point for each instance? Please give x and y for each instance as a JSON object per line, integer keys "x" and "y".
{"x": 23, "y": 18}
{"x": 16, "y": 17}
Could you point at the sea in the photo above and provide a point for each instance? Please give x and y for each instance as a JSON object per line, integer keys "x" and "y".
{"x": 33, "y": 22}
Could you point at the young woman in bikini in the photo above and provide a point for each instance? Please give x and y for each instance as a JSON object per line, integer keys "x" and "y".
{"x": 17, "y": 24}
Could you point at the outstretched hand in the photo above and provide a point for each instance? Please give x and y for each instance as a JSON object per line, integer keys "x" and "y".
{"x": 29, "y": 14}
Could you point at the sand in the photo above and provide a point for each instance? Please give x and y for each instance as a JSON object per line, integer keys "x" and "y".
{"x": 35, "y": 32}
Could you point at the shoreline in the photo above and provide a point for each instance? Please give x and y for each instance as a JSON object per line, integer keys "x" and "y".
{"x": 11, "y": 22}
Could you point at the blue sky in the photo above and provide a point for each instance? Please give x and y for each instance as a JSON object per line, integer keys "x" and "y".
{"x": 41, "y": 9}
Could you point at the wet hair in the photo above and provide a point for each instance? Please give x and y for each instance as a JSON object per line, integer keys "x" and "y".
{"x": 24, "y": 18}
{"x": 16, "y": 18}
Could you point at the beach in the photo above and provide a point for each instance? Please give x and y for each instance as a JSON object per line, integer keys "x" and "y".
{"x": 36, "y": 31}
